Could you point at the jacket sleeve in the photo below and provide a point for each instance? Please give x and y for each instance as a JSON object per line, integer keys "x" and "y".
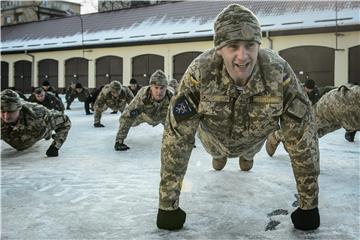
{"x": 300, "y": 139}
{"x": 128, "y": 117}
{"x": 129, "y": 95}
{"x": 61, "y": 124}
{"x": 178, "y": 139}
{"x": 100, "y": 105}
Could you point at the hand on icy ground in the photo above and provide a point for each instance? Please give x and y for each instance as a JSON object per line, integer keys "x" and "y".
{"x": 121, "y": 147}
{"x": 52, "y": 152}
{"x": 170, "y": 220}
{"x": 306, "y": 219}
{"x": 98, "y": 125}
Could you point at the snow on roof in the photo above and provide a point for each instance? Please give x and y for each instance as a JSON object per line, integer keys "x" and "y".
{"x": 177, "y": 20}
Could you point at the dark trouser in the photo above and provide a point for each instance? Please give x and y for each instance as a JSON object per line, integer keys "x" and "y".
{"x": 87, "y": 105}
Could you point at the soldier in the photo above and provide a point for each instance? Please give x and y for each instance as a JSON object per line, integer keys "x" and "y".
{"x": 82, "y": 94}
{"x": 47, "y": 99}
{"x": 48, "y": 88}
{"x": 69, "y": 91}
{"x": 114, "y": 96}
{"x": 23, "y": 123}
{"x": 234, "y": 95}
{"x": 312, "y": 91}
{"x": 134, "y": 87}
{"x": 150, "y": 105}
{"x": 173, "y": 86}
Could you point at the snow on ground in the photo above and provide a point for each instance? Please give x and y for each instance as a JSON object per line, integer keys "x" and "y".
{"x": 93, "y": 192}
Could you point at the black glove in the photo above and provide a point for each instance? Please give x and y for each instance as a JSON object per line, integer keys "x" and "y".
{"x": 98, "y": 125}
{"x": 52, "y": 151}
{"x": 120, "y": 146}
{"x": 170, "y": 220}
{"x": 306, "y": 219}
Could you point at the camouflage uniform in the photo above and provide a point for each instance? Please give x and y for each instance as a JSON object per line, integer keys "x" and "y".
{"x": 143, "y": 109}
{"x": 35, "y": 122}
{"x": 338, "y": 108}
{"x": 50, "y": 101}
{"x": 106, "y": 100}
{"x": 234, "y": 122}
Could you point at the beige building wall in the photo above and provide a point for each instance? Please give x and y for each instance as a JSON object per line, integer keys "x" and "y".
{"x": 346, "y": 41}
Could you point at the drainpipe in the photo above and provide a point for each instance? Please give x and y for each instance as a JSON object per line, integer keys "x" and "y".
{"x": 270, "y": 40}
{"x": 33, "y": 67}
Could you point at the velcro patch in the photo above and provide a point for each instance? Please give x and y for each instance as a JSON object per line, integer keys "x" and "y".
{"x": 214, "y": 98}
{"x": 297, "y": 109}
{"x": 267, "y": 99}
{"x": 183, "y": 109}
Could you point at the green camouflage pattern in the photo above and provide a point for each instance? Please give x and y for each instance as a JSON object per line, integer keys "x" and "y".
{"x": 234, "y": 122}
{"x": 50, "y": 101}
{"x": 143, "y": 109}
{"x": 158, "y": 78}
{"x": 10, "y": 101}
{"x": 339, "y": 108}
{"x": 106, "y": 100}
{"x": 71, "y": 94}
{"x": 35, "y": 123}
{"x": 236, "y": 23}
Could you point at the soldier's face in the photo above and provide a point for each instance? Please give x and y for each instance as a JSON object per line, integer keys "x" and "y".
{"x": 115, "y": 93}
{"x": 133, "y": 86}
{"x": 10, "y": 117}
{"x": 40, "y": 97}
{"x": 158, "y": 92}
{"x": 240, "y": 58}
{"x": 46, "y": 87}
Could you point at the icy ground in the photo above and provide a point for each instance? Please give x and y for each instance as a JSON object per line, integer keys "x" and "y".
{"x": 93, "y": 192}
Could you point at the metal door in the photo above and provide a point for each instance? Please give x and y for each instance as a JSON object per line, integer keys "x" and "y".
{"x": 23, "y": 76}
{"x": 145, "y": 65}
{"x": 76, "y": 70}
{"x": 4, "y": 75}
{"x": 181, "y": 62}
{"x": 108, "y": 68}
{"x": 354, "y": 65}
{"x": 48, "y": 70}
{"x": 312, "y": 62}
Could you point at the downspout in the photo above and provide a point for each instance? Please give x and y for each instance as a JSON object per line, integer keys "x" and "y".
{"x": 33, "y": 68}
{"x": 270, "y": 40}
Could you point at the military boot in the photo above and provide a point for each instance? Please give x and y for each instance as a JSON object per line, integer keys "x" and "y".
{"x": 271, "y": 144}
{"x": 245, "y": 165}
{"x": 219, "y": 163}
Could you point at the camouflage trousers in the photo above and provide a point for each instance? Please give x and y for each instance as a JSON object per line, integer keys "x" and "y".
{"x": 217, "y": 150}
{"x": 338, "y": 108}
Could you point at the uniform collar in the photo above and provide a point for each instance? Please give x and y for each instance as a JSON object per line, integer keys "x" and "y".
{"x": 254, "y": 86}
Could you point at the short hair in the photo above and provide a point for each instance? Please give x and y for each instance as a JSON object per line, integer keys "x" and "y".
{"x": 310, "y": 84}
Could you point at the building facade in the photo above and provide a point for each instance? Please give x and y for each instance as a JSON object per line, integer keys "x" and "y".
{"x": 139, "y": 41}
{"x": 14, "y": 12}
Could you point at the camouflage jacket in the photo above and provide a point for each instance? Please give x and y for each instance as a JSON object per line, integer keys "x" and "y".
{"x": 106, "y": 100}
{"x": 50, "y": 101}
{"x": 145, "y": 109}
{"x": 339, "y": 108}
{"x": 82, "y": 96}
{"x": 35, "y": 123}
{"x": 237, "y": 119}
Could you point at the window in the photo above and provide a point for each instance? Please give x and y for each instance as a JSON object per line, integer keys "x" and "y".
{"x": 19, "y": 18}
{"x": 7, "y": 19}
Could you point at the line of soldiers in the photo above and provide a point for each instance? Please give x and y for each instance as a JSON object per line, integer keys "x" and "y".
{"x": 233, "y": 95}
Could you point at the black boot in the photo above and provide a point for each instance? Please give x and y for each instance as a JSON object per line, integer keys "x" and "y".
{"x": 350, "y": 136}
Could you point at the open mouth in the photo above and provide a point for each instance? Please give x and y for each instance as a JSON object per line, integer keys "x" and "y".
{"x": 242, "y": 66}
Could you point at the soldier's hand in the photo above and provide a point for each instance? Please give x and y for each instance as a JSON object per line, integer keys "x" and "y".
{"x": 52, "y": 152}
{"x": 170, "y": 220}
{"x": 98, "y": 125}
{"x": 120, "y": 146}
{"x": 306, "y": 219}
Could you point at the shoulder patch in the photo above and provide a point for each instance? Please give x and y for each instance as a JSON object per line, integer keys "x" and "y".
{"x": 183, "y": 109}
